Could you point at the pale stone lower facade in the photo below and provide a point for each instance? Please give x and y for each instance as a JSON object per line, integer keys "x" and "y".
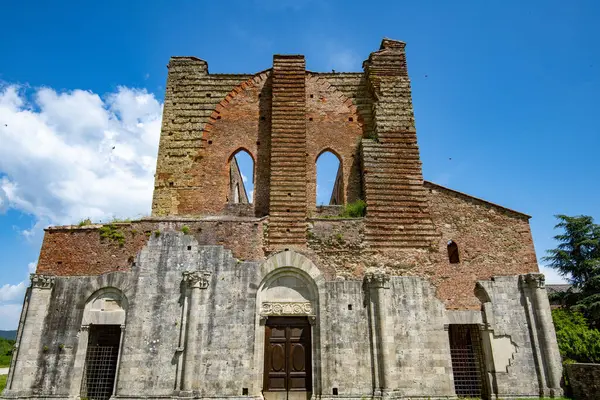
{"x": 192, "y": 324}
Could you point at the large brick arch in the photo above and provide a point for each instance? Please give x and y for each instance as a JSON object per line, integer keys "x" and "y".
{"x": 336, "y": 126}
{"x": 240, "y": 121}
{"x": 243, "y": 119}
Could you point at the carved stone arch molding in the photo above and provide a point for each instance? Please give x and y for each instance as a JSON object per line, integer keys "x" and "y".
{"x": 108, "y": 306}
{"x": 290, "y": 285}
{"x": 117, "y": 280}
{"x": 104, "y": 301}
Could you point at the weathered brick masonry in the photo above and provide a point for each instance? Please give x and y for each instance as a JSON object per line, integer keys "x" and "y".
{"x": 278, "y": 298}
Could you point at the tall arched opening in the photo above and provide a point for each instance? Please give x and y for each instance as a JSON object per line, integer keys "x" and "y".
{"x": 330, "y": 179}
{"x": 241, "y": 178}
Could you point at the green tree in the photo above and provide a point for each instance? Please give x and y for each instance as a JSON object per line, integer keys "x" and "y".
{"x": 6, "y": 349}
{"x": 576, "y": 340}
{"x": 577, "y": 258}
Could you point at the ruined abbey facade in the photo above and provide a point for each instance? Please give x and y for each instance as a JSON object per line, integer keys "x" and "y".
{"x": 431, "y": 293}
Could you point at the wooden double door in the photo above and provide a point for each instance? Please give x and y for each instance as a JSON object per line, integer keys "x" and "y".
{"x": 288, "y": 372}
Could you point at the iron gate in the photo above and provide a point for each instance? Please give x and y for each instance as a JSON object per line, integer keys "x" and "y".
{"x": 467, "y": 360}
{"x": 101, "y": 362}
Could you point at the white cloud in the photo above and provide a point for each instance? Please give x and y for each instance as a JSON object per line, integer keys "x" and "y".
{"x": 10, "y": 293}
{"x": 11, "y": 301}
{"x": 344, "y": 60}
{"x": 31, "y": 267}
{"x": 244, "y": 178}
{"x": 251, "y": 196}
{"x": 72, "y": 155}
{"x": 66, "y": 156}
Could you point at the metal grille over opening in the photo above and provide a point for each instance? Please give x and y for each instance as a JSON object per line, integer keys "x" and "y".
{"x": 101, "y": 362}
{"x": 467, "y": 360}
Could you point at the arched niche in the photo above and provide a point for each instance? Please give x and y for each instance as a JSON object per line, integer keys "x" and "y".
{"x": 106, "y": 306}
{"x": 288, "y": 291}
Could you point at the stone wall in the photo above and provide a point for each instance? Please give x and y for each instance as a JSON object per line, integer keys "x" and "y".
{"x": 375, "y": 334}
{"x": 584, "y": 380}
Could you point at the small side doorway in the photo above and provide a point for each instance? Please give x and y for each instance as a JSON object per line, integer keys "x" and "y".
{"x": 288, "y": 372}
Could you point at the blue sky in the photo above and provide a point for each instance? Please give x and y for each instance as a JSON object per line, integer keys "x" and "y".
{"x": 506, "y": 97}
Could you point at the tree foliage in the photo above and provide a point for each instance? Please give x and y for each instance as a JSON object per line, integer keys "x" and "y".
{"x": 6, "y": 349}
{"x": 576, "y": 340}
{"x": 577, "y": 258}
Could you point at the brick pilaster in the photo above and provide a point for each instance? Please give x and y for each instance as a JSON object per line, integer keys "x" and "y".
{"x": 287, "y": 224}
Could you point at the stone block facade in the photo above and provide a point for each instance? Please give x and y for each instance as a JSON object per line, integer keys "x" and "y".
{"x": 431, "y": 294}
{"x": 584, "y": 380}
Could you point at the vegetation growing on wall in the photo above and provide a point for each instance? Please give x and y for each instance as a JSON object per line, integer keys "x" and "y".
{"x": 111, "y": 232}
{"x": 356, "y": 209}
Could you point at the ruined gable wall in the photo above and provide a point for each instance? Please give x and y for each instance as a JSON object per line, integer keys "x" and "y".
{"x": 492, "y": 241}
{"x": 191, "y": 97}
{"x": 240, "y": 122}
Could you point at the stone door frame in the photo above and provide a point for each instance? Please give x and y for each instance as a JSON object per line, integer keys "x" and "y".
{"x": 289, "y": 263}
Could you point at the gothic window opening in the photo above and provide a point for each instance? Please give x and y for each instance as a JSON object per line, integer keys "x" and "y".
{"x": 330, "y": 180}
{"x": 101, "y": 359}
{"x": 467, "y": 360}
{"x": 241, "y": 178}
{"x": 453, "y": 252}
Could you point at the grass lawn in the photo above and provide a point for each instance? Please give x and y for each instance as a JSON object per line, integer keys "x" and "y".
{"x": 2, "y": 382}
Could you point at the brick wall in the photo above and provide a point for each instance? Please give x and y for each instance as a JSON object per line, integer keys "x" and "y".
{"x": 73, "y": 250}
{"x": 333, "y": 124}
{"x": 191, "y": 97}
{"x": 398, "y": 214}
{"x": 492, "y": 241}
